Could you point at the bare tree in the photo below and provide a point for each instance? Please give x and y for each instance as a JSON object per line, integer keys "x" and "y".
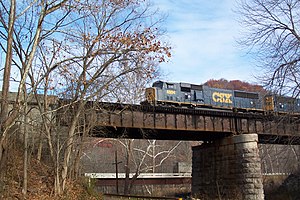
{"x": 131, "y": 87}
{"x": 142, "y": 156}
{"x": 109, "y": 47}
{"x": 80, "y": 50}
{"x": 21, "y": 38}
{"x": 271, "y": 30}
{"x": 279, "y": 158}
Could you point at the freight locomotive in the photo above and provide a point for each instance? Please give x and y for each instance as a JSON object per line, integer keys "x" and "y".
{"x": 192, "y": 95}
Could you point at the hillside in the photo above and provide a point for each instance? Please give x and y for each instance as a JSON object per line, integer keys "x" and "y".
{"x": 40, "y": 183}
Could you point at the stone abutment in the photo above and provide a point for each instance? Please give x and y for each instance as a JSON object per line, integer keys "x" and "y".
{"x": 228, "y": 169}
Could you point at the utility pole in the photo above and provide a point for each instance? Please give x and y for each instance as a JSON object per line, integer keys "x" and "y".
{"x": 117, "y": 172}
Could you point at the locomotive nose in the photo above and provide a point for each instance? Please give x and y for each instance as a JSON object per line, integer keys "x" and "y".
{"x": 150, "y": 95}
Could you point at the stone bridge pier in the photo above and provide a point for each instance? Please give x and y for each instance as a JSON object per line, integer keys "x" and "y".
{"x": 229, "y": 168}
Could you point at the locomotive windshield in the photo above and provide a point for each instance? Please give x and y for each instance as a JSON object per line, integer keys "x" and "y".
{"x": 158, "y": 84}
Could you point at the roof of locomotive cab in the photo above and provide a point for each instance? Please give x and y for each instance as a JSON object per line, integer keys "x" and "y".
{"x": 179, "y": 83}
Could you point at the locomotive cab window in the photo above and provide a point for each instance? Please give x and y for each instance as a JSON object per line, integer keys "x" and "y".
{"x": 170, "y": 86}
{"x": 158, "y": 84}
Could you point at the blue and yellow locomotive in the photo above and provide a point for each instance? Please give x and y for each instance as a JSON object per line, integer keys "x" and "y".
{"x": 191, "y": 95}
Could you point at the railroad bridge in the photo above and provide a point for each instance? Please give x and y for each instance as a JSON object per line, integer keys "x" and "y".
{"x": 227, "y": 164}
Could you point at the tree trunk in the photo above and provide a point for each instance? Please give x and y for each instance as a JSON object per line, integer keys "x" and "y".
{"x": 127, "y": 169}
{"x": 134, "y": 178}
{"x": 40, "y": 146}
{"x": 25, "y": 167}
{"x": 79, "y": 152}
{"x": 5, "y": 89}
{"x": 69, "y": 146}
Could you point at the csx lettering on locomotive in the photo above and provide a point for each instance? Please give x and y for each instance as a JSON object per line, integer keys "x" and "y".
{"x": 171, "y": 92}
{"x": 222, "y": 97}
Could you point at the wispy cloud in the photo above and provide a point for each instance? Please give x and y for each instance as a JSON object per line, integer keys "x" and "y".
{"x": 203, "y": 35}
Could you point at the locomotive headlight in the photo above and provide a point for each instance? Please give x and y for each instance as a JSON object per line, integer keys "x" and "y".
{"x": 187, "y": 96}
{"x": 251, "y": 102}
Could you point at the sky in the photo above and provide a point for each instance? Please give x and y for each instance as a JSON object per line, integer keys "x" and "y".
{"x": 203, "y": 35}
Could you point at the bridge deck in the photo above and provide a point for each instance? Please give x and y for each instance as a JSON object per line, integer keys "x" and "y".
{"x": 139, "y": 121}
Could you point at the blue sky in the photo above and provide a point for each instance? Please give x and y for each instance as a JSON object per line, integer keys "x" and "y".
{"x": 203, "y": 35}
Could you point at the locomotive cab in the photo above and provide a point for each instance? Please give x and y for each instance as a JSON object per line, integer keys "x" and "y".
{"x": 151, "y": 95}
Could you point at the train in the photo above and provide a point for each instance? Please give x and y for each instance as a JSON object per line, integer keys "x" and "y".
{"x": 163, "y": 93}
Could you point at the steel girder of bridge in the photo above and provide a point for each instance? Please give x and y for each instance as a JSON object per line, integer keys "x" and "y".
{"x": 173, "y": 123}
